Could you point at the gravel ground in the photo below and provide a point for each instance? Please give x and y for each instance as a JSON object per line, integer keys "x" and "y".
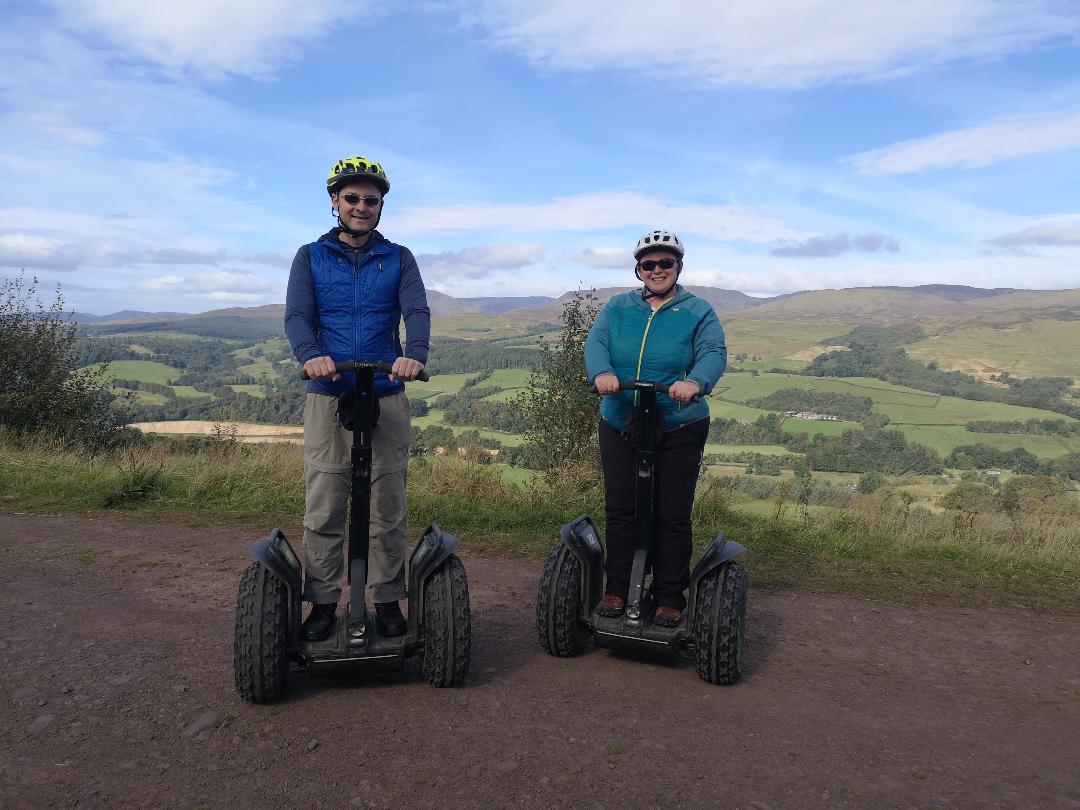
{"x": 118, "y": 692}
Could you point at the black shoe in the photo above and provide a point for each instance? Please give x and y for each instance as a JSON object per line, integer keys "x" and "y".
{"x": 319, "y": 623}
{"x": 388, "y": 618}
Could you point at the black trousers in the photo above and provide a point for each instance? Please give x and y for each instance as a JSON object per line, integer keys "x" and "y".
{"x": 678, "y": 461}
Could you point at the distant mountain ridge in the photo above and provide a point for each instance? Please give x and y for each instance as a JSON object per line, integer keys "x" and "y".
{"x": 851, "y": 305}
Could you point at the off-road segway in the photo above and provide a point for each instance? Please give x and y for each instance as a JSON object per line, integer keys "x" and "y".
{"x": 573, "y": 581}
{"x": 268, "y": 605}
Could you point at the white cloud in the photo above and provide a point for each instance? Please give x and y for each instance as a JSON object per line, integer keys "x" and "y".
{"x": 163, "y": 283}
{"x": 479, "y": 261}
{"x": 975, "y": 146}
{"x": 249, "y": 37}
{"x": 763, "y": 276}
{"x": 219, "y": 286}
{"x": 33, "y": 251}
{"x": 603, "y": 257}
{"x": 598, "y": 210}
{"x": 782, "y": 43}
{"x": 835, "y": 244}
{"x": 1049, "y": 234}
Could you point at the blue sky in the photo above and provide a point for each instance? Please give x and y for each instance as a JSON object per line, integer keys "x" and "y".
{"x": 172, "y": 156}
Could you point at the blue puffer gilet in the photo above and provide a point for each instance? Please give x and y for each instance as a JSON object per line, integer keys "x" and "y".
{"x": 356, "y": 295}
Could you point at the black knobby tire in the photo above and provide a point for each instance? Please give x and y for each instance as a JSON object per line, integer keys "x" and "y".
{"x": 720, "y": 624}
{"x": 447, "y": 624}
{"x": 558, "y": 605}
{"x": 260, "y": 649}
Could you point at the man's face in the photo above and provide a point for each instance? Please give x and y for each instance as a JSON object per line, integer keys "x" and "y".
{"x": 658, "y": 278}
{"x": 351, "y": 202}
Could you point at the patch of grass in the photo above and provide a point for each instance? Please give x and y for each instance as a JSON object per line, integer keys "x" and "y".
{"x": 1036, "y": 348}
{"x": 143, "y": 370}
{"x": 875, "y": 548}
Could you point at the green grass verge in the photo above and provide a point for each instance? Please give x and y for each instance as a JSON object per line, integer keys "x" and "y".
{"x": 869, "y": 551}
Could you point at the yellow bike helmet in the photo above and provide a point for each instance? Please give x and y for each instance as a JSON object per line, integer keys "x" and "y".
{"x": 357, "y": 169}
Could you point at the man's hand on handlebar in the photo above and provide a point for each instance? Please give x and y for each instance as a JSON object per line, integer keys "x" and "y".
{"x": 683, "y": 390}
{"x": 606, "y": 383}
{"x": 405, "y": 368}
{"x": 322, "y": 368}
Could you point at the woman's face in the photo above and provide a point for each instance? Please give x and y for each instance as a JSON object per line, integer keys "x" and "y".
{"x": 660, "y": 277}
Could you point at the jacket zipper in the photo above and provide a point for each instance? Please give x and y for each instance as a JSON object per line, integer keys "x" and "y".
{"x": 641, "y": 351}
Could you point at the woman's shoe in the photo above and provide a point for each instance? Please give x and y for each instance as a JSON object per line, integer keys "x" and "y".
{"x": 667, "y": 617}
{"x": 611, "y": 606}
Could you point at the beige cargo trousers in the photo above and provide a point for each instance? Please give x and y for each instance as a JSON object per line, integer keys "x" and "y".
{"x": 328, "y": 475}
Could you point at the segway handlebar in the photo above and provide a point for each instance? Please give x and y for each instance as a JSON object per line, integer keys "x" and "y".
{"x": 641, "y": 385}
{"x": 375, "y": 365}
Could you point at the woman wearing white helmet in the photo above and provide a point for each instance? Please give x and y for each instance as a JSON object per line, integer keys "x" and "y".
{"x": 664, "y": 334}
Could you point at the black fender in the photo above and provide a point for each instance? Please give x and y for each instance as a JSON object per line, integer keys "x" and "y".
{"x": 582, "y": 538}
{"x": 278, "y": 557}
{"x": 432, "y": 551}
{"x": 718, "y": 552}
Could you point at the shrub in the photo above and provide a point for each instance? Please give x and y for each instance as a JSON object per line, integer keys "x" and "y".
{"x": 42, "y": 389}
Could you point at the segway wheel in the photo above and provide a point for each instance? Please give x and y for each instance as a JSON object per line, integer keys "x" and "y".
{"x": 260, "y": 650}
{"x": 719, "y": 624}
{"x": 447, "y": 625}
{"x": 558, "y": 605}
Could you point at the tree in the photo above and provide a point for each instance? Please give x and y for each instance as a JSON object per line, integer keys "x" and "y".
{"x": 559, "y": 411}
{"x": 42, "y": 388}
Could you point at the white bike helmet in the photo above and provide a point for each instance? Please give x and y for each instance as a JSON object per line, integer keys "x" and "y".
{"x": 659, "y": 240}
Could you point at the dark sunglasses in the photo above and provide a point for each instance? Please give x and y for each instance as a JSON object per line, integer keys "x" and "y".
{"x": 354, "y": 199}
{"x": 651, "y": 264}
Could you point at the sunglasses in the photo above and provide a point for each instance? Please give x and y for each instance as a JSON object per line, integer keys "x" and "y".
{"x": 651, "y": 264}
{"x": 354, "y": 199}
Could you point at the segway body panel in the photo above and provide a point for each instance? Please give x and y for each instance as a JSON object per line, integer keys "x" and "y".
{"x": 571, "y": 587}
{"x": 269, "y": 602}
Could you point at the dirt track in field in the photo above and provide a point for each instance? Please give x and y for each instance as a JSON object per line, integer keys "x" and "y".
{"x": 117, "y": 692}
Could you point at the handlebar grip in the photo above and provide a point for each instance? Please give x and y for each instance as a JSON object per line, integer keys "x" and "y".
{"x": 636, "y": 385}
{"x": 375, "y": 365}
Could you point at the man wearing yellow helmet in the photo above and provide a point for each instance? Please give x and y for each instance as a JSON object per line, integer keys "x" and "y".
{"x": 348, "y": 292}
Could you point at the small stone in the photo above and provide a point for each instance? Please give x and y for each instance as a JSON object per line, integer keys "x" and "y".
{"x": 200, "y": 727}
{"x": 179, "y": 688}
{"x": 66, "y": 690}
{"x": 42, "y": 702}
{"x": 312, "y": 745}
{"x": 120, "y": 680}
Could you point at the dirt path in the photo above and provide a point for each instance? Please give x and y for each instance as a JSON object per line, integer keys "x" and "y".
{"x": 117, "y": 692}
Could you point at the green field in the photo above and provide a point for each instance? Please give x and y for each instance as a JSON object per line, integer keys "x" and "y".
{"x": 1037, "y": 348}
{"x": 902, "y": 405}
{"x": 252, "y": 390}
{"x": 436, "y": 418}
{"x": 944, "y": 438}
{"x": 778, "y": 340}
{"x": 438, "y": 384}
{"x": 143, "y": 370}
{"x": 163, "y": 334}
{"x": 190, "y": 391}
{"x": 763, "y": 449}
{"x": 261, "y": 365}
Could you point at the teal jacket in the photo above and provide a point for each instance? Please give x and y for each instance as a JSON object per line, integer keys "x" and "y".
{"x": 682, "y": 340}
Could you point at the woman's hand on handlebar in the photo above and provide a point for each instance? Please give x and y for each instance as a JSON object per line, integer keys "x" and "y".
{"x": 606, "y": 383}
{"x": 405, "y": 368}
{"x": 322, "y": 368}
{"x": 683, "y": 390}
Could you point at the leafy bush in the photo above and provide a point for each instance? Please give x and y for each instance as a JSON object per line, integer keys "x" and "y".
{"x": 558, "y": 410}
{"x": 42, "y": 388}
